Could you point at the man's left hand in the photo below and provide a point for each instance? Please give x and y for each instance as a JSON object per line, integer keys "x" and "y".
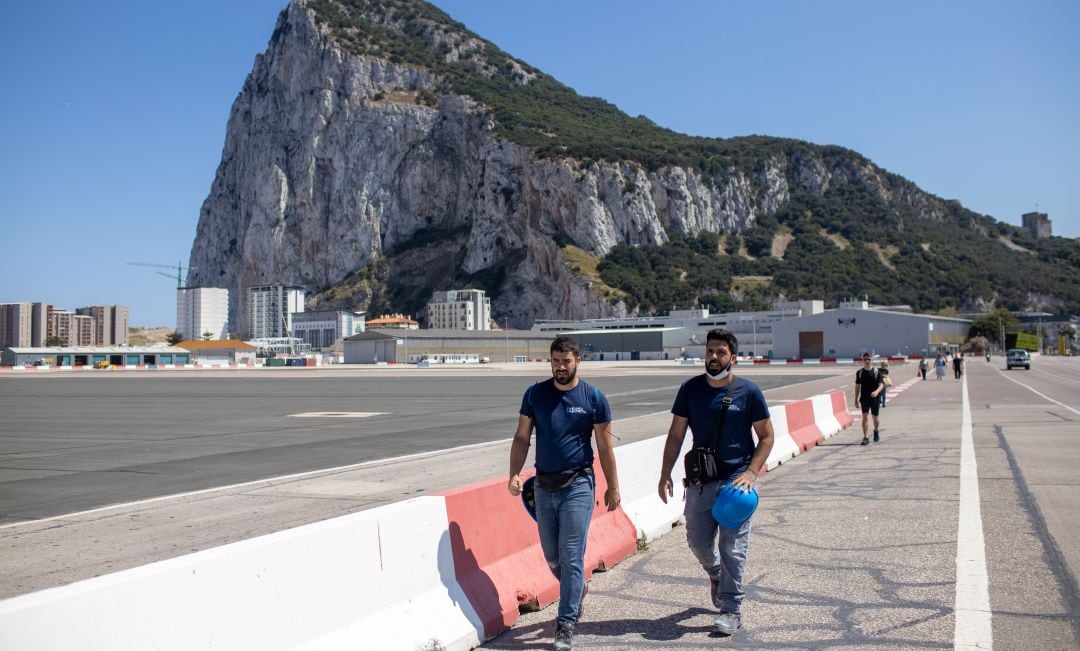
{"x": 612, "y": 498}
{"x": 745, "y": 480}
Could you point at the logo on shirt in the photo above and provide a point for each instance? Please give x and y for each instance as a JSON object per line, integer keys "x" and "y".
{"x": 575, "y": 410}
{"x": 734, "y": 407}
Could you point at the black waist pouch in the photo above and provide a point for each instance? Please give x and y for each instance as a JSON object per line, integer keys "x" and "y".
{"x": 700, "y": 465}
{"x": 553, "y": 482}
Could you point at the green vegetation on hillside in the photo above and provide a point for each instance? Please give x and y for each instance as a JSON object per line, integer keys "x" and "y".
{"x": 950, "y": 263}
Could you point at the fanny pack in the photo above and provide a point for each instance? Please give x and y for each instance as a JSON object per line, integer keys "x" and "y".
{"x": 554, "y": 482}
{"x": 700, "y": 463}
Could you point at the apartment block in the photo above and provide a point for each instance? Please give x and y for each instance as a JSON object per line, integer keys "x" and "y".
{"x": 110, "y": 324}
{"x": 200, "y": 310}
{"x": 461, "y": 309}
{"x": 16, "y": 325}
{"x": 270, "y": 309}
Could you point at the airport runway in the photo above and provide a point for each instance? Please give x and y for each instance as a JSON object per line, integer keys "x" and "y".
{"x": 73, "y": 443}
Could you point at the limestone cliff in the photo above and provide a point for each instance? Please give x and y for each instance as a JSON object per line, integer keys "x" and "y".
{"x": 369, "y": 181}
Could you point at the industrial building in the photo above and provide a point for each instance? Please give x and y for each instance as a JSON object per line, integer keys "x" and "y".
{"x": 446, "y": 346}
{"x": 323, "y": 329}
{"x": 849, "y": 332}
{"x": 753, "y": 329}
{"x": 92, "y": 355}
{"x": 219, "y": 351}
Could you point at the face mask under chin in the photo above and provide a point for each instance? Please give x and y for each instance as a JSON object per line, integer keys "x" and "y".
{"x": 719, "y": 376}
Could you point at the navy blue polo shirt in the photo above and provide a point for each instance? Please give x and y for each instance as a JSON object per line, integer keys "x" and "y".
{"x": 564, "y": 423}
{"x": 700, "y": 404}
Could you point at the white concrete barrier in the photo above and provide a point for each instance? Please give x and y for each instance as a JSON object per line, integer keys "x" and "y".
{"x": 378, "y": 579}
{"x": 639, "y": 477}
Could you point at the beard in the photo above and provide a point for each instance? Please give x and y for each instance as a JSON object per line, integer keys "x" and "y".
{"x": 565, "y": 377}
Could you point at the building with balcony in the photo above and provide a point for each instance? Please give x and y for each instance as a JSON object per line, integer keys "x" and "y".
{"x": 270, "y": 310}
{"x": 460, "y": 309}
{"x": 325, "y": 329}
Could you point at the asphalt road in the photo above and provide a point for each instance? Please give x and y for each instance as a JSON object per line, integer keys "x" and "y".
{"x": 73, "y": 443}
{"x": 857, "y": 547}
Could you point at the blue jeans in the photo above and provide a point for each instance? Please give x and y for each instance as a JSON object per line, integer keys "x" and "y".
{"x": 721, "y": 552}
{"x": 563, "y": 520}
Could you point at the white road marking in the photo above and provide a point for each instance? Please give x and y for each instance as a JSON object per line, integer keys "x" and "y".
{"x": 973, "y": 629}
{"x": 1041, "y": 395}
{"x": 337, "y": 414}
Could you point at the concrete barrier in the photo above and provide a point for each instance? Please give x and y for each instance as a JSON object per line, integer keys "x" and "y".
{"x": 801, "y": 425}
{"x": 378, "y": 579}
{"x": 497, "y": 555}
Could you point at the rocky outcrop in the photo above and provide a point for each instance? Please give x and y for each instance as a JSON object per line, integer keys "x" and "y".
{"x": 334, "y": 160}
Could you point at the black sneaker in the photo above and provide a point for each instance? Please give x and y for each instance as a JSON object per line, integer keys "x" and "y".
{"x": 714, "y": 592}
{"x": 727, "y": 623}
{"x": 865, "y": 441}
{"x": 564, "y": 637}
{"x": 876, "y": 437}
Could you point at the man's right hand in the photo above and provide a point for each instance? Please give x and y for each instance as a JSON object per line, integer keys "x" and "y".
{"x": 665, "y": 488}
{"x": 514, "y": 485}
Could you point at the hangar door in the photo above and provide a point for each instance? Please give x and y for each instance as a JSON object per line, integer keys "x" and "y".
{"x": 811, "y": 345}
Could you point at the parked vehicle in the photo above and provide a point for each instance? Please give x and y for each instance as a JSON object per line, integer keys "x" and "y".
{"x": 1018, "y": 357}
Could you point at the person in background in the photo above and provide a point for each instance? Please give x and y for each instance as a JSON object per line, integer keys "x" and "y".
{"x": 924, "y": 366}
{"x": 958, "y": 366}
{"x": 868, "y": 388}
{"x": 883, "y": 371}
{"x": 567, "y": 413}
{"x": 939, "y": 367}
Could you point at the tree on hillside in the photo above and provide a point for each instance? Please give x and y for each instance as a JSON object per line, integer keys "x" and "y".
{"x": 207, "y": 336}
{"x": 174, "y": 338}
{"x": 53, "y": 341}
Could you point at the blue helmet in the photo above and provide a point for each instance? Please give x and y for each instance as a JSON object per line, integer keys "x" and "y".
{"x": 734, "y": 506}
{"x": 528, "y": 496}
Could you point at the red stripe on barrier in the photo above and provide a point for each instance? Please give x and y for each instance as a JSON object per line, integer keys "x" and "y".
{"x": 496, "y": 548}
{"x": 761, "y": 361}
{"x": 801, "y": 426}
{"x": 840, "y": 410}
{"x": 827, "y": 360}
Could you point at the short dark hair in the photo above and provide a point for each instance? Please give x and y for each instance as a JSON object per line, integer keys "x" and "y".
{"x": 867, "y": 356}
{"x": 564, "y": 345}
{"x": 724, "y": 336}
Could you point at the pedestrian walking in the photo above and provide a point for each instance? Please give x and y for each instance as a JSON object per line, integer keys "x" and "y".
{"x": 883, "y": 371}
{"x": 868, "y": 387}
{"x": 939, "y": 366}
{"x": 722, "y": 412}
{"x": 566, "y": 413}
{"x": 924, "y": 366}
{"x": 958, "y": 366}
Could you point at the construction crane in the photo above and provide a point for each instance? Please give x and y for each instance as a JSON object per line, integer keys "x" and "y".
{"x": 179, "y": 271}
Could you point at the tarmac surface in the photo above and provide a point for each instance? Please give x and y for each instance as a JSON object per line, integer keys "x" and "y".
{"x": 853, "y": 546}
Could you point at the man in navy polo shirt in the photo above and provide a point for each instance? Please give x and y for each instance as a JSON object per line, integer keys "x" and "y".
{"x": 721, "y": 551}
{"x": 566, "y": 412}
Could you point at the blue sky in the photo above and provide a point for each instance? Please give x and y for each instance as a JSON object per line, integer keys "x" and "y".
{"x": 115, "y": 111}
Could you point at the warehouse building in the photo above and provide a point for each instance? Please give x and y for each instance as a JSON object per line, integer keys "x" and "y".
{"x": 849, "y": 332}
{"x": 441, "y": 346}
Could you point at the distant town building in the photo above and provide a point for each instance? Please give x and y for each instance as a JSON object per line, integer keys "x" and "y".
{"x": 392, "y": 322}
{"x": 460, "y": 309}
{"x": 270, "y": 309}
{"x": 325, "y": 328}
{"x": 202, "y": 309}
{"x": 16, "y": 324}
{"x": 1037, "y": 223}
{"x": 34, "y": 325}
{"x": 110, "y": 324}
